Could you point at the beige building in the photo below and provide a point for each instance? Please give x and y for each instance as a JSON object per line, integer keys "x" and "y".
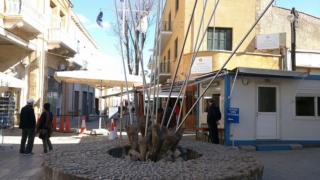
{"x": 38, "y": 38}
{"x": 232, "y": 21}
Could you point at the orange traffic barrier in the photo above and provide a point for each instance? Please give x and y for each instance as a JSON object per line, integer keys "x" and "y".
{"x": 54, "y": 123}
{"x": 61, "y": 127}
{"x": 83, "y": 125}
{"x": 67, "y": 124}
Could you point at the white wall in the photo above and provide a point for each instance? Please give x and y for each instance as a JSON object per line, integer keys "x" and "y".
{"x": 291, "y": 127}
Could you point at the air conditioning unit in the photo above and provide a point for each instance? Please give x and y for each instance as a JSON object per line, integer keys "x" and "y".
{"x": 169, "y": 80}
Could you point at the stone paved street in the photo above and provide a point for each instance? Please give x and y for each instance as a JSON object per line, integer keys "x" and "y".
{"x": 278, "y": 165}
{"x": 290, "y": 165}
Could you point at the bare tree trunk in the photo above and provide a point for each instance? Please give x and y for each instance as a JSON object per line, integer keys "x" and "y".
{"x": 127, "y": 44}
{"x": 132, "y": 43}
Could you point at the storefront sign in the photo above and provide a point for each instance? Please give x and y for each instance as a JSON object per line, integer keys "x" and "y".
{"x": 233, "y": 115}
{"x": 268, "y": 41}
{"x": 202, "y": 65}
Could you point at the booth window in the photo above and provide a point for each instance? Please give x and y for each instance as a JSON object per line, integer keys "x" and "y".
{"x": 305, "y": 106}
{"x": 216, "y": 100}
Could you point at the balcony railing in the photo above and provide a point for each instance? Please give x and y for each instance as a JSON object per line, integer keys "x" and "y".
{"x": 58, "y": 35}
{"x": 26, "y": 9}
{"x": 166, "y": 26}
{"x": 164, "y": 68}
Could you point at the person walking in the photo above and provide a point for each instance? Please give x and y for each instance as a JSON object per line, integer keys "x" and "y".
{"x": 213, "y": 117}
{"x": 28, "y": 125}
{"x": 45, "y": 128}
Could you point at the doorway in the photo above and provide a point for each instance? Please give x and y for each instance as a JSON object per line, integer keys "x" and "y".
{"x": 267, "y": 125}
{"x": 190, "y": 96}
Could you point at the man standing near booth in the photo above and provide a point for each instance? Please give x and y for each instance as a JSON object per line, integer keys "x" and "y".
{"x": 28, "y": 125}
{"x": 213, "y": 117}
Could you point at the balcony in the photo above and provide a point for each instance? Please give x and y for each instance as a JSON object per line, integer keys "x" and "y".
{"x": 24, "y": 15}
{"x": 166, "y": 33}
{"x": 60, "y": 40}
{"x": 165, "y": 71}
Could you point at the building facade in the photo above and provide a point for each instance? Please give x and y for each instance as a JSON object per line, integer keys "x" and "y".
{"x": 38, "y": 38}
{"x": 231, "y": 22}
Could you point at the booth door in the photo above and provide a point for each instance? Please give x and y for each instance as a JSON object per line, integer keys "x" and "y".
{"x": 267, "y": 116}
{"x": 190, "y": 122}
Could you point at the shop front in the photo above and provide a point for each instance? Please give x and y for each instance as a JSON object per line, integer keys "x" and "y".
{"x": 10, "y": 93}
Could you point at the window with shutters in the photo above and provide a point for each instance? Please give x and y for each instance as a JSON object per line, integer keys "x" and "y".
{"x": 220, "y": 39}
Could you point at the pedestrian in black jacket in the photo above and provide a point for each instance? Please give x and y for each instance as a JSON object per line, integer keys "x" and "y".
{"x": 213, "y": 117}
{"x": 28, "y": 125}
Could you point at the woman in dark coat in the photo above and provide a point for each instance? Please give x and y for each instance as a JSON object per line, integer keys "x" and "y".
{"x": 45, "y": 128}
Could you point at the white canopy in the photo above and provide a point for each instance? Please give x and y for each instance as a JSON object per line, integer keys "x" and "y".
{"x": 10, "y": 81}
{"x": 166, "y": 95}
{"x": 98, "y": 78}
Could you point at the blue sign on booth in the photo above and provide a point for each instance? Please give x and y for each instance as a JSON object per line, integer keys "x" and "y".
{"x": 233, "y": 115}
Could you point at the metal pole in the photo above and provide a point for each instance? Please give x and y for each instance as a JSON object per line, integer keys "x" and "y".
{"x": 157, "y": 69}
{"x": 138, "y": 49}
{"x": 121, "y": 114}
{"x": 178, "y": 64}
{"x": 293, "y": 40}
{"x": 122, "y": 46}
{"x": 233, "y": 52}
{"x": 195, "y": 49}
{"x": 100, "y": 102}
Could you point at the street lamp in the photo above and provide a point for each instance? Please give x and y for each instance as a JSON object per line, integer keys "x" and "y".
{"x": 293, "y": 19}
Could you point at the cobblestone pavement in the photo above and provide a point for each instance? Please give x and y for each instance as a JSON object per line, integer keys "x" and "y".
{"x": 290, "y": 165}
{"x": 278, "y": 165}
{"x": 94, "y": 161}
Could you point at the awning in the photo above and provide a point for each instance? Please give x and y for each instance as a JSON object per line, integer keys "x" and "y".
{"x": 270, "y": 72}
{"x": 118, "y": 93}
{"x": 166, "y": 95}
{"x": 10, "y": 81}
{"x": 98, "y": 78}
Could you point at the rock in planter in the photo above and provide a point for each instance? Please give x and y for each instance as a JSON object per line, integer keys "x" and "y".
{"x": 132, "y": 132}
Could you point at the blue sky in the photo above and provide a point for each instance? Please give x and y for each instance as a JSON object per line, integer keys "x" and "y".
{"x": 311, "y": 7}
{"x": 87, "y": 12}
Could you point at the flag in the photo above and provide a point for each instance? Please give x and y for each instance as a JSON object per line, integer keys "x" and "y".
{"x": 144, "y": 25}
{"x": 99, "y": 19}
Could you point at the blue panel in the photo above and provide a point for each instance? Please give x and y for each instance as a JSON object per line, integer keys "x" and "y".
{"x": 233, "y": 115}
{"x": 226, "y": 107}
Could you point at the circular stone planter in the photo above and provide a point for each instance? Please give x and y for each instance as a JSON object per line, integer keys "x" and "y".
{"x": 100, "y": 160}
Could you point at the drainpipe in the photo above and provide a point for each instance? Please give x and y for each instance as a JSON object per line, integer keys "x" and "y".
{"x": 283, "y": 53}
